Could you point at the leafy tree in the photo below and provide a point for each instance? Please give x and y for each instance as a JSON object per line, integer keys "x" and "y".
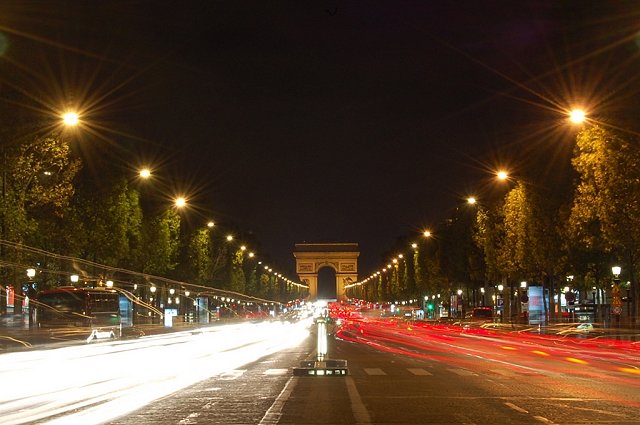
{"x": 488, "y": 236}
{"x": 237, "y": 281}
{"x": 161, "y": 238}
{"x": 112, "y": 219}
{"x": 200, "y": 256}
{"x": 606, "y": 207}
{"x": 38, "y": 177}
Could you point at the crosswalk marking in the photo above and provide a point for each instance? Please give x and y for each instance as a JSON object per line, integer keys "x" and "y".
{"x": 419, "y": 372}
{"x": 374, "y": 371}
{"x": 503, "y": 372}
{"x": 276, "y": 371}
{"x": 462, "y": 372}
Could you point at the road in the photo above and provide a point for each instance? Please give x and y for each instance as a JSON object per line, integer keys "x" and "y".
{"x": 399, "y": 373}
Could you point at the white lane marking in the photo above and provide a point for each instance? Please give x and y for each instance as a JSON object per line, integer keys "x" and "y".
{"x": 360, "y": 413}
{"x": 276, "y": 371}
{"x": 545, "y": 420}
{"x": 373, "y": 371}
{"x": 516, "y": 408}
{"x": 272, "y": 416}
{"x": 419, "y": 371}
{"x": 232, "y": 374}
{"x": 462, "y": 372}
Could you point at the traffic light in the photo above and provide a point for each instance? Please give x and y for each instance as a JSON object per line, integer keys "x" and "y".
{"x": 429, "y": 306}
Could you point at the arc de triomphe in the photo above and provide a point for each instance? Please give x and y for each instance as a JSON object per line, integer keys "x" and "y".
{"x": 341, "y": 257}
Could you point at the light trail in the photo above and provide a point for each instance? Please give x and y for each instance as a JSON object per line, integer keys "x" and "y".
{"x": 453, "y": 345}
{"x": 92, "y": 384}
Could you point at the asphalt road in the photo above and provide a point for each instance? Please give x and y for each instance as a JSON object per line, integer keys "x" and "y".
{"x": 400, "y": 376}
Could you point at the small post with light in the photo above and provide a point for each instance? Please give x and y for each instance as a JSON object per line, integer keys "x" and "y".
{"x": 322, "y": 366}
{"x": 616, "y": 300}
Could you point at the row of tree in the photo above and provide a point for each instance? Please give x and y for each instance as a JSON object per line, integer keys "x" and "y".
{"x": 62, "y": 212}
{"x": 552, "y": 236}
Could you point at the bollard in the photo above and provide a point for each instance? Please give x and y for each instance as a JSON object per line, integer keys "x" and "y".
{"x": 322, "y": 366}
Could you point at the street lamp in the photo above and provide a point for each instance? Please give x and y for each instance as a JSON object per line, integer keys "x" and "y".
{"x": 577, "y": 116}
{"x": 70, "y": 119}
{"x": 145, "y": 173}
{"x": 616, "y": 300}
{"x": 180, "y": 202}
{"x": 502, "y": 175}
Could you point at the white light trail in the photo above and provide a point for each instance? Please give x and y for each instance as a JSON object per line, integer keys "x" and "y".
{"x": 92, "y": 384}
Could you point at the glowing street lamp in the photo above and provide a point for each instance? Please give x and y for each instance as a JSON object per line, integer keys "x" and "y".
{"x": 70, "y": 119}
{"x": 502, "y": 175}
{"x": 210, "y": 224}
{"x": 145, "y": 173}
{"x": 471, "y": 200}
{"x": 180, "y": 202}
{"x": 577, "y": 116}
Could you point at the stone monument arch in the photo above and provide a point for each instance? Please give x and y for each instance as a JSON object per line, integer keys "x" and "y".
{"x": 341, "y": 257}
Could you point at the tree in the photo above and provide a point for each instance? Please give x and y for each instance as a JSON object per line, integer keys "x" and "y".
{"x": 38, "y": 177}
{"x": 237, "y": 281}
{"x": 606, "y": 207}
{"x": 200, "y": 256}
{"x": 161, "y": 236}
{"x": 37, "y": 184}
{"x": 112, "y": 219}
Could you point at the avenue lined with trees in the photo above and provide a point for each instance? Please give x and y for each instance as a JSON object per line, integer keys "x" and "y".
{"x": 58, "y": 215}
{"x": 563, "y": 238}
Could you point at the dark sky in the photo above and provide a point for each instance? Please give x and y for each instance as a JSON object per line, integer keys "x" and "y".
{"x": 356, "y": 121}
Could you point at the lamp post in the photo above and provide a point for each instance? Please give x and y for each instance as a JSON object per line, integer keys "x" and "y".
{"x": 616, "y": 301}
{"x": 31, "y": 294}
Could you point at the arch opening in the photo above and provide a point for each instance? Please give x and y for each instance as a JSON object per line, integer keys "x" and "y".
{"x": 327, "y": 283}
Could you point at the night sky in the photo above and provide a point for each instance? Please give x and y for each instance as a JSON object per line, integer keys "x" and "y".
{"x": 353, "y": 121}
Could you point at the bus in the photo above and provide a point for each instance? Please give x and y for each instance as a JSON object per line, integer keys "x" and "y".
{"x": 81, "y": 307}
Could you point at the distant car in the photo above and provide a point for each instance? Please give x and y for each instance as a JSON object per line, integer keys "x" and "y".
{"x": 482, "y": 314}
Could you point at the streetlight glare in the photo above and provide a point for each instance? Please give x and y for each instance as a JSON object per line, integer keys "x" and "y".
{"x": 70, "y": 119}
{"x": 181, "y": 202}
{"x": 471, "y": 200}
{"x": 145, "y": 173}
{"x": 502, "y": 175}
{"x": 427, "y": 234}
{"x": 577, "y": 116}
